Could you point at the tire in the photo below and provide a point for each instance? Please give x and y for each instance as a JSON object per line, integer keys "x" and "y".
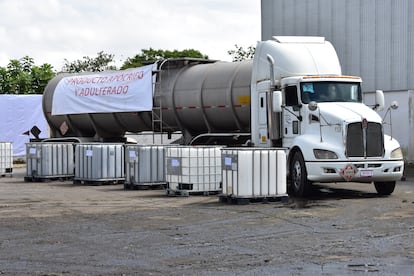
{"x": 385, "y": 188}
{"x": 298, "y": 181}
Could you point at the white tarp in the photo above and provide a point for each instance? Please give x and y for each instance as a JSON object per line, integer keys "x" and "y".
{"x": 19, "y": 113}
{"x": 112, "y": 91}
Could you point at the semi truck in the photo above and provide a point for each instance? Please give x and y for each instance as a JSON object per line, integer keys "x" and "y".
{"x": 292, "y": 96}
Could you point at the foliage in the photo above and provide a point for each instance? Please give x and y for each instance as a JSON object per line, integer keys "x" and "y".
{"x": 240, "y": 53}
{"x": 151, "y": 55}
{"x": 97, "y": 64}
{"x": 41, "y": 76}
{"x": 23, "y": 77}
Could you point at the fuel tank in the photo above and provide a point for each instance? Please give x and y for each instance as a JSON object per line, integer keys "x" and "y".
{"x": 189, "y": 95}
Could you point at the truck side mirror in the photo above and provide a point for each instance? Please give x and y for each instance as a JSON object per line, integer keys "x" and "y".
{"x": 394, "y": 105}
{"x": 379, "y": 100}
{"x": 312, "y": 106}
{"x": 277, "y": 101}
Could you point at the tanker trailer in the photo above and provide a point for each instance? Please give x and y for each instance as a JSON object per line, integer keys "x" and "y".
{"x": 208, "y": 101}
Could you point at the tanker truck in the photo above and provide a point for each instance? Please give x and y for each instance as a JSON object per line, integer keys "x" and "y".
{"x": 292, "y": 95}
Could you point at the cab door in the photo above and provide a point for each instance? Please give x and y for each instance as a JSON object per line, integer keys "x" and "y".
{"x": 291, "y": 116}
{"x": 263, "y": 119}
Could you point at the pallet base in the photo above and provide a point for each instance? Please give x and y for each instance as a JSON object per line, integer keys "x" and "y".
{"x": 47, "y": 178}
{"x": 144, "y": 186}
{"x": 7, "y": 172}
{"x": 231, "y": 199}
{"x": 98, "y": 182}
{"x": 171, "y": 192}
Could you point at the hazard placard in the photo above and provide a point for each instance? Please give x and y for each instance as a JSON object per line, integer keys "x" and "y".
{"x": 348, "y": 172}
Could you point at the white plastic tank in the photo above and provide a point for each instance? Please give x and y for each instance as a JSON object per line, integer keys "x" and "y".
{"x": 49, "y": 160}
{"x": 254, "y": 172}
{"x": 6, "y": 158}
{"x": 191, "y": 170}
{"x": 99, "y": 163}
{"x": 145, "y": 165}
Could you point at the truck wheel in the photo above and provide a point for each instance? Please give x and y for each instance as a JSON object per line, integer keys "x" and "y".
{"x": 384, "y": 188}
{"x": 299, "y": 184}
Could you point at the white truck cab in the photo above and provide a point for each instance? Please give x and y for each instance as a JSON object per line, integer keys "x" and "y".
{"x": 303, "y": 103}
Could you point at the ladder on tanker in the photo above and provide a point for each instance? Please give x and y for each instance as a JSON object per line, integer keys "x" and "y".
{"x": 156, "y": 116}
{"x": 158, "y": 124}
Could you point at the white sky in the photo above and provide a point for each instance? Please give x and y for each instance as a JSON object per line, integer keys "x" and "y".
{"x": 51, "y": 30}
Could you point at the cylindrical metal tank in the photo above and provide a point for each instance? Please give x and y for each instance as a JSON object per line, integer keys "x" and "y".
{"x": 192, "y": 96}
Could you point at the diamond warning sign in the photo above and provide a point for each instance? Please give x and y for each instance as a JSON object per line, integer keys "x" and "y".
{"x": 349, "y": 172}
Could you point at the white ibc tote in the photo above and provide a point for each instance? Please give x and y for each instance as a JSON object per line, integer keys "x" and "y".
{"x": 254, "y": 172}
{"x": 193, "y": 169}
{"x": 99, "y": 163}
{"x": 145, "y": 165}
{"x": 46, "y": 160}
{"x": 6, "y": 158}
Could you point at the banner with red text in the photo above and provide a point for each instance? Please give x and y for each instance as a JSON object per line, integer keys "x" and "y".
{"x": 113, "y": 91}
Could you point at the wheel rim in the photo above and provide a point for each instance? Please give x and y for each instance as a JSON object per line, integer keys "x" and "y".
{"x": 297, "y": 175}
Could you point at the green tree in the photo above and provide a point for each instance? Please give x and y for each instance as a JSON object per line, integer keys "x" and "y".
{"x": 23, "y": 77}
{"x": 151, "y": 55}
{"x": 88, "y": 64}
{"x": 240, "y": 53}
{"x": 26, "y": 64}
{"x": 41, "y": 76}
{"x": 19, "y": 77}
{"x": 4, "y": 81}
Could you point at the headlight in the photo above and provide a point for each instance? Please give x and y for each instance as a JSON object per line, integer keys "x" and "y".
{"x": 397, "y": 153}
{"x": 324, "y": 154}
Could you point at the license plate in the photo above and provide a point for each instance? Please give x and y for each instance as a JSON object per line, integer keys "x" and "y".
{"x": 366, "y": 173}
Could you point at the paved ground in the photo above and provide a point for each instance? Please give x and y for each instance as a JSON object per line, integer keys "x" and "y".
{"x": 58, "y": 228}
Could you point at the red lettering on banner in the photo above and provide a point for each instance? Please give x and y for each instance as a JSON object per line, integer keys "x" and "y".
{"x": 105, "y": 92}
{"x": 102, "y": 91}
{"x": 121, "y": 77}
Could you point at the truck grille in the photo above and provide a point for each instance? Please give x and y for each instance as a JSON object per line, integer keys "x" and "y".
{"x": 362, "y": 142}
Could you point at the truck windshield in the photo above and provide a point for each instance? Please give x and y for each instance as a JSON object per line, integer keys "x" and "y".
{"x": 330, "y": 92}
